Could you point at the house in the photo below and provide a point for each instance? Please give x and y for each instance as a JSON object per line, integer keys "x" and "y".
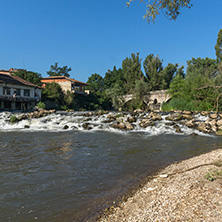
{"x": 66, "y": 83}
{"x": 17, "y": 93}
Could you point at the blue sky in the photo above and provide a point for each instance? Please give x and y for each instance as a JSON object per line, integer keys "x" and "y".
{"x": 91, "y": 36}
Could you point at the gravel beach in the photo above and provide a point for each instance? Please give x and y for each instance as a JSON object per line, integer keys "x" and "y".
{"x": 179, "y": 192}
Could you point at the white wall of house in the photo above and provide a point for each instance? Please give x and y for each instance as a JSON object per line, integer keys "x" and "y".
{"x": 27, "y": 99}
{"x": 13, "y": 88}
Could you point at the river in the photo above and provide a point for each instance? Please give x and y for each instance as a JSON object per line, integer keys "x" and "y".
{"x": 51, "y": 174}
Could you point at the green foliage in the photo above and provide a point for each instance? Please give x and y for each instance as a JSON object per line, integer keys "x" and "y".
{"x": 168, "y": 74}
{"x": 53, "y": 92}
{"x": 55, "y": 70}
{"x": 133, "y": 104}
{"x": 13, "y": 119}
{"x": 201, "y": 87}
{"x": 41, "y": 105}
{"x": 186, "y": 104}
{"x": 29, "y": 76}
{"x": 131, "y": 68}
{"x": 141, "y": 89}
{"x": 214, "y": 175}
{"x": 153, "y": 67}
{"x": 171, "y": 9}
{"x": 95, "y": 83}
{"x": 218, "y": 46}
{"x": 114, "y": 77}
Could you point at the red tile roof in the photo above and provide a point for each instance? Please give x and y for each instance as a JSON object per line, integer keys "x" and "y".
{"x": 7, "y": 78}
{"x": 64, "y": 77}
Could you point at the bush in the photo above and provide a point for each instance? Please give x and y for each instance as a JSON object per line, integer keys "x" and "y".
{"x": 13, "y": 119}
{"x": 41, "y": 105}
{"x": 183, "y": 104}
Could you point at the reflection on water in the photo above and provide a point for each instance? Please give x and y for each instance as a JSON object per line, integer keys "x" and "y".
{"x": 66, "y": 176}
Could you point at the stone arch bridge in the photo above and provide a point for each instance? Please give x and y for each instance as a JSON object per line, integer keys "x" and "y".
{"x": 153, "y": 100}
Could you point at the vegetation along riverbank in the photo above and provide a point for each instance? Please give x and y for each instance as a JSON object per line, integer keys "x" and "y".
{"x": 190, "y": 190}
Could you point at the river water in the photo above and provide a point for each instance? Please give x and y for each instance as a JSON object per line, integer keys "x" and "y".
{"x": 51, "y": 174}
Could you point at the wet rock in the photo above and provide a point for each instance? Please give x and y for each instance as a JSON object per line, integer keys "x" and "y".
{"x": 187, "y": 112}
{"x": 118, "y": 126}
{"x": 131, "y": 119}
{"x": 203, "y": 127}
{"x": 189, "y": 123}
{"x": 213, "y": 116}
{"x": 107, "y": 121}
{"x": 65, "y": 127}
{"x": 86, "y": 126}
{"x": 193, "y": 134}
{"x": 26, "y": 126}
{"x": 186, "y": 116}
{"x": 174, "y": 117}
{"x": 111, "y": 117}
{"x": 205, "y": 113}
{"x": 178, "y": 130}
{"x": 129, "y": 126}
{"x": 120, "y": 119}
{"x": 88, "y": 119}
{"x": 170, "y": 124}
{"x": 146, "y": 122}
{"x": 138, "y": 111}
{"x": 219, "y": 122}
{"x": 154, "y": 116}
{"x": 213, "y": 125}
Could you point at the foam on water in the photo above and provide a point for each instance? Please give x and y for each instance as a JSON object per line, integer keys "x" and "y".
{"x": 75, "y": 121}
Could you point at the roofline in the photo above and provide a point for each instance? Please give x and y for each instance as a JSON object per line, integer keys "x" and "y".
{"x": 20, "y": 80}
{"x": 63, "y": 77}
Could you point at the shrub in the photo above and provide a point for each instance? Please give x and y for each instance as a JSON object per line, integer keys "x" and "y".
{"x": 13, "y": 119}
{"x": 41, "y": 105}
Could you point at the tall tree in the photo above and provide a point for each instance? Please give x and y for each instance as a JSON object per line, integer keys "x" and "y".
{"x": 29, "y": 76}
{"x": 96, "y": 83}
{"x": 131, "y": 68}
{"x": 168, "y": 73}
{"x": 170, "y": 8}
{"x": 113, "y": 77}
{"x": 153, "y": 68}
{"x": 53, "y": 92}
{"x": 218, "y": 46}
{"x": 55, "y": 70}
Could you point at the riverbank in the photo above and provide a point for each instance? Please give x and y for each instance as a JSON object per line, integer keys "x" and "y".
{"x": 179, "y": 192}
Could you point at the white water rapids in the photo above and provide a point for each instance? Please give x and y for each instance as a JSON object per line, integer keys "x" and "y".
{"x": 75, "y": 120}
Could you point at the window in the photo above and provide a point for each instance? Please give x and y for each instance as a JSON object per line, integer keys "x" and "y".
{"x": 26, "y": 92}
{"x": 17, "y": 92}
{"x": 6, "y": 91}
{"x": 77, "y": 88}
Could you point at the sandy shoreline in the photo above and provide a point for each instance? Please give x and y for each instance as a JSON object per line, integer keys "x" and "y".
{"x": 179, "y": 192}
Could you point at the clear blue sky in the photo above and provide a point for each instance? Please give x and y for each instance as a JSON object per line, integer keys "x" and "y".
{"x": 91, "y": 36}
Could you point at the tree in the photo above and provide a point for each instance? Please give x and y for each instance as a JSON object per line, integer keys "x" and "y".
{"x": 53, "y": 92}
{"x": 29, "y": 76}
{"x": 218, "y": 47}
{"x": 96, "y": 83}
{"x": 168, "y": 73}
{"x": 113, "y": 77}
{"x": 131, "y": 68}
{"x": 153, "y": 70}
{"x": 170, "y": 8}
{"x": 59, "y": 71}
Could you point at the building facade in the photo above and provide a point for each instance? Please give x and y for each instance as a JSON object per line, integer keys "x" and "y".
{"x": 67, "y": 84}
{"x": 16, "y": 93}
